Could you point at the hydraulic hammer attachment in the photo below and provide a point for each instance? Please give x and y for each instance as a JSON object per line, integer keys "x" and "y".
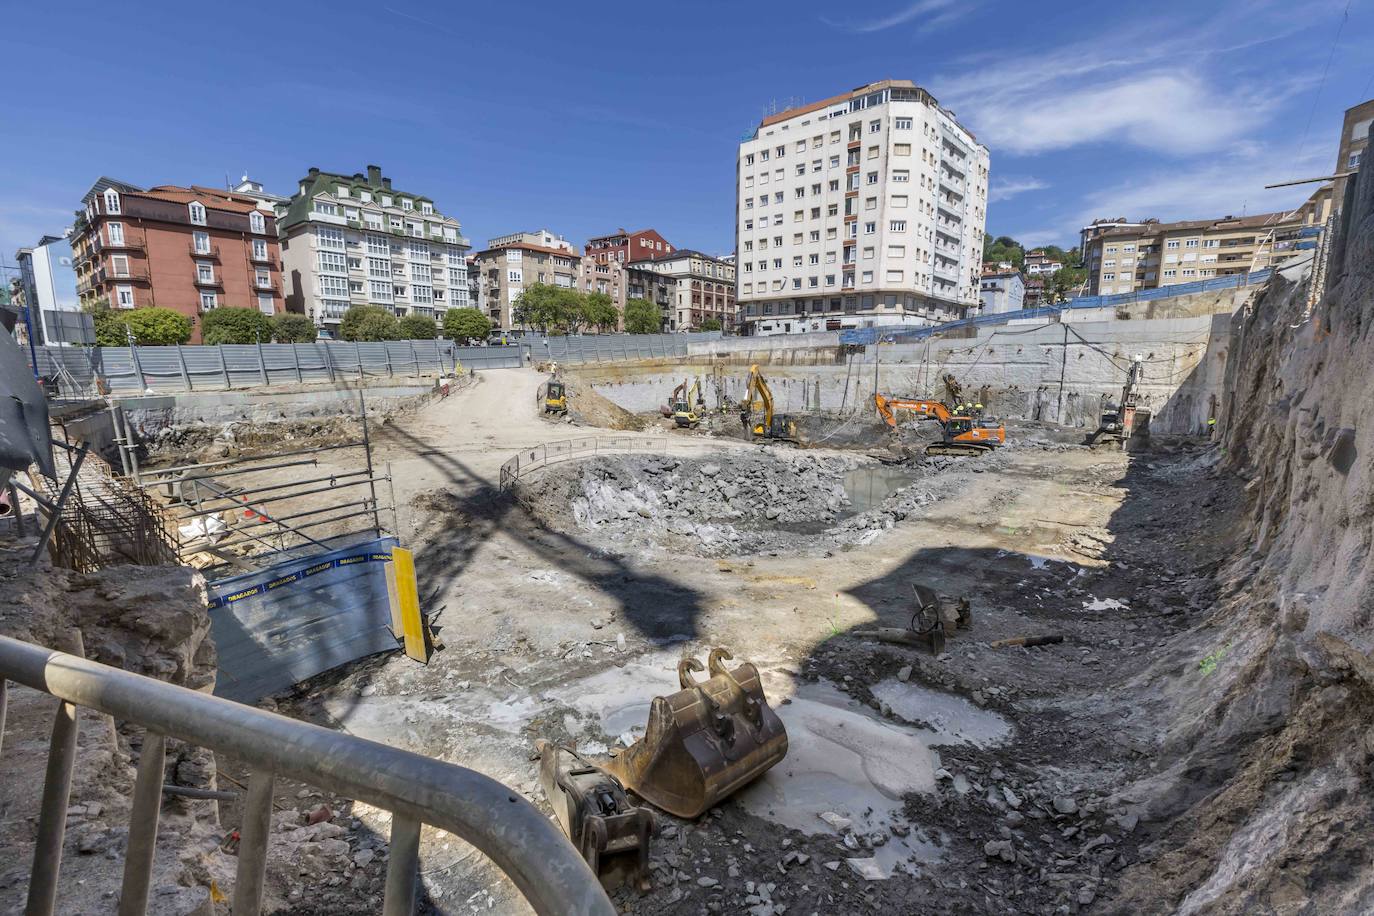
{"x": 612, "y": 835}
{"x": 704, "y": 742}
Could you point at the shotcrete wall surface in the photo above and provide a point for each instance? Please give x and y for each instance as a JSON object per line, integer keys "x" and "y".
{"x": 1053, "y": 372}
{"x": 151, "y": 412}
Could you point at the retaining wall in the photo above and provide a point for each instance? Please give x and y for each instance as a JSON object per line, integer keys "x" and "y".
{"x": 1057, "y": 372}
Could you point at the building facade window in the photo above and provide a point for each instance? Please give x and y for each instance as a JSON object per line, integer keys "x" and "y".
{"x": 205, "y": 272}
{"x": 329, "y": 238}
{"x": 266, "y": 304}
{"x": 124, "y": 297}
{"x": 256, "y": 222}
{"x": 201, "y": 242}
{"x": 197, "y": 212}
{"x": 208, "y": 301}
{"x": 112, "y": 201}
{"x": 259, "y": 250}
{"x": 115, "y": 231}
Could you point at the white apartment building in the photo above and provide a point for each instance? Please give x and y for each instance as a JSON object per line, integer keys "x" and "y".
{"x": 353, "y": 240}
{"x": 865, "y": 209}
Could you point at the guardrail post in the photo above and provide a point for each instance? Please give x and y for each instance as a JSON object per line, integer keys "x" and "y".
{"x": 4, "y": 700}
{"x": 402, "y": 867}
{"x": 52, "y": 818}
{"x": 262, "y": 365}
{"x": 143, "y": 817}
{"x": 328, "y": 362}
{"x": 224, "y": 367}
{"x": 253, "y": 832}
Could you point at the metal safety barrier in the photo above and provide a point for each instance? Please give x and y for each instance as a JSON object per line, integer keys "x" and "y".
{"x": 417, "y": 790}
{"x": 537, "y": 456}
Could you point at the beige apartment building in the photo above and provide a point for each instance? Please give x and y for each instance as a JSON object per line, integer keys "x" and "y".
{"x": 511, "y": 262}
{"x": 1154, "y": 254}
{"x": 703, "y": 289}
{"x": 864, "y": 209}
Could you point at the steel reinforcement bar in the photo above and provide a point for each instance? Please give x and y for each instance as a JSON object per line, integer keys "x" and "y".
{"x": 417, "y": 790}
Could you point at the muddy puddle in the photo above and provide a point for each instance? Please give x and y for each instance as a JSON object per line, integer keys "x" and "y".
{"x": 846, "y": 771}
{"x": 847, "y": 768}
{"x": 869, "y": 485}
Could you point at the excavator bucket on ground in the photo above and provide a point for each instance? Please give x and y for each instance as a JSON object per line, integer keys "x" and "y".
{"x": 704, "y": 742}
{"x": 612, "y": 834}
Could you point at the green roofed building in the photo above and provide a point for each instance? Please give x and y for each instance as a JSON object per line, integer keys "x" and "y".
{"x": 355, "y": 240}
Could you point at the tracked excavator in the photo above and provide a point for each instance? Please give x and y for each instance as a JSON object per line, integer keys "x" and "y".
{"x": 774, "y": 427}
{"x": 961, "y": 435}
{"x": 1122, "y": 421}
{"x": 555, "y": 392}
{"x": 688, "y": 409}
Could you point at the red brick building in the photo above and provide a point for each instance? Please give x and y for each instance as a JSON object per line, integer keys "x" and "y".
{"x": 625, "y": 246}
{"x": 187, "y": 249}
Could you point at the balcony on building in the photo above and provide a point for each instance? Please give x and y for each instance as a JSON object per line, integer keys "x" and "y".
{"x": 104, "y": 274}
{"x": 211, "y": 281}
{"x": 332, "y": 219}
{"x": 207, "y": 251}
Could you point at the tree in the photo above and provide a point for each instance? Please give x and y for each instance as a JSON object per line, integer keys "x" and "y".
{"x": 599, "y": 312}
{"x": 572, "y": 310}
{"x": 550, "y": 308}
{"x": 539, "y": 306}
{"x": 369, "y": 322}
{"x": 292, "y": 328}
{"x": 1063, "y": 282}
{"x": 466, "y": 324}
{"x": 641, "y": 317}
{"x": 710, "y": 324}
{"x": 418, "y": 327}
{"x": 234, "y": 326}
{"x": 151, "y": 326}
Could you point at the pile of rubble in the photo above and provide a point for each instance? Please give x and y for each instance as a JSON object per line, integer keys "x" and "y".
{"x": 726, "y": 504}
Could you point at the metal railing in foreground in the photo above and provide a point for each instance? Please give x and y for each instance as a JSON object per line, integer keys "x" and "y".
{"x": 417, "y": 790}
{"x": 537, "y": 456}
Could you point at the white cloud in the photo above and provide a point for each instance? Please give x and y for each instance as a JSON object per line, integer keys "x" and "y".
{"x": 1176, "y": 113}
{"x": 1009, "y": 187}
{"x": 939, "y": 9}
{"x": 1177, "y": 93}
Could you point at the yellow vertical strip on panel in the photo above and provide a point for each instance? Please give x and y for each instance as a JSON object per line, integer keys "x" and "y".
{"x": 408, "y": 600}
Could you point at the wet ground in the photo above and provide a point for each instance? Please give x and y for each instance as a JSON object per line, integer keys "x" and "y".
{"x": 981, "y": 780}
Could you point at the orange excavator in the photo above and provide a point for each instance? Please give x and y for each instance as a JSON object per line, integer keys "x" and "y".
{"x": 963, "y": 435}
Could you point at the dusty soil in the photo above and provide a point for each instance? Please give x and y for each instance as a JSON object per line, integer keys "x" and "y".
{"x": 982, "y": 780}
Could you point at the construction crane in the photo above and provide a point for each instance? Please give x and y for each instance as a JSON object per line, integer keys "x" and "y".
{"x": 1120, "y": 421}
{"x": 961, "y": 435}
{"x": 777, "y": 427}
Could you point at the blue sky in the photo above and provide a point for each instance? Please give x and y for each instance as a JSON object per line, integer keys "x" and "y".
{"x": 586, "y": 118}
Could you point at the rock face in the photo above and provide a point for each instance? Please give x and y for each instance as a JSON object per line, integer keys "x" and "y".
{"x": 147, "y": 620}
{"x": 1268, "y": 761}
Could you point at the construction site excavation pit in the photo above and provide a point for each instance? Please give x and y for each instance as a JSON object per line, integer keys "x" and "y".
{"x": 731, "y": 503}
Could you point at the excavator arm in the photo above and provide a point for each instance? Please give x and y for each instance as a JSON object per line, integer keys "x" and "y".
{"x": 887, "y": 408}
{"x": 758, "y": 390}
